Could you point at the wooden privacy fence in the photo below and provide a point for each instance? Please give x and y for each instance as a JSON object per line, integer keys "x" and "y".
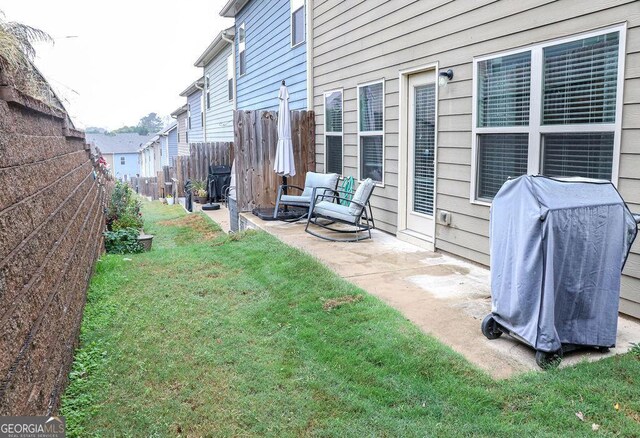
{"x": 145, "y": 185}
{"x": 254, "y": 149}
{"x": 195, "y": 166}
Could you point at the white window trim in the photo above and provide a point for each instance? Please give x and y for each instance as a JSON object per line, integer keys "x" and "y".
{"x": 372, "y": 133}
{"x": 242, "y": 48}
{"x": 304, "y": 21}
{"x": 333, "y": 134}
{"x": 535, "y": 129}
{"x": 230, "y": 77}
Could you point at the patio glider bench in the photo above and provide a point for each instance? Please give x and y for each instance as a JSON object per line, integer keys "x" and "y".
{"x": 326, "y": 181}
{"x": 355, "y": 213}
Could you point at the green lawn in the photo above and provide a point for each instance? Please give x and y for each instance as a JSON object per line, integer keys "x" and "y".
{"x": 208, "y": 335}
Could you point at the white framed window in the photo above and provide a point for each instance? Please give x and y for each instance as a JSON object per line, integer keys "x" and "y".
{"x": 189, "y": 116}
{"x": 230, "y": 76}
{"x": 298, "y": 30}
{"x": 242, "y": 45}
{"x": 552, "y": 109}
{"x": 371, "y": 131}
{"x": 333, "y": 131}
{"x": 122, "y": 161}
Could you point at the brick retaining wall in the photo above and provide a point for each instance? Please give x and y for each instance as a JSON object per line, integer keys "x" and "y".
{"x": 52, "y": 198}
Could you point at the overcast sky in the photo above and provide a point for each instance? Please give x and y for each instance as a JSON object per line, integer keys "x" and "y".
{"x": 127, "y": 58}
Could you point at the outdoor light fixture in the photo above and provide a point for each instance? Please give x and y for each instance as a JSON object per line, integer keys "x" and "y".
{"x": 444, "y": 77}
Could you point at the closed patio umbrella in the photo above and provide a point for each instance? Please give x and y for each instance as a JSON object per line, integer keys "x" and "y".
{"x": 285, "y": 163}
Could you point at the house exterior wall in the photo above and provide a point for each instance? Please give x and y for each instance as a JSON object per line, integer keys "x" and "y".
{"x": 158, "y": 157}
{"x": 358, "y": 42}
{"x": 150, "y": 160}
{"x": 196, "y": 134}
{"x": 172, "y": 137}
{"x": 141, "y": 160}
{"x": 130, "y": 167}
{"x": 219, "y": 114}
{"x": 183, "y": 145}
{"x": 269, "y": 57}
{"x": 164, "y": 147}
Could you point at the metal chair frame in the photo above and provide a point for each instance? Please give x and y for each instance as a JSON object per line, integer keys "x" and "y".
{"x": 284, "y": 188}
{"x": 364, "y": 215}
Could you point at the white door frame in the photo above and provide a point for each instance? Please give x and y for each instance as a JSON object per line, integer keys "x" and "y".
{"x": 403, "y": 155}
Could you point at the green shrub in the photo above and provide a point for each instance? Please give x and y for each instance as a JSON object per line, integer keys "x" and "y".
{"x": 127, "y": 220}
{"x": 122, "y": 241}
{"x": 124, "y": 209}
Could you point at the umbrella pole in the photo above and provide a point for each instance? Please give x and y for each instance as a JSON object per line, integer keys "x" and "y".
{"x": 284, "y": 190}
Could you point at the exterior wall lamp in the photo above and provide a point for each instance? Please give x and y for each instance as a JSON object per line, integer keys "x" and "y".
{"x": 444, "y": 77}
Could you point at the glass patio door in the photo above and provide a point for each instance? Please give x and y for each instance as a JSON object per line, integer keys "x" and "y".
{"x": 421, "y": 154}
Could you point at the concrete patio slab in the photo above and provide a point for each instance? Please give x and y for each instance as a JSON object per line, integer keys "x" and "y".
{"x": 445, "y": 296}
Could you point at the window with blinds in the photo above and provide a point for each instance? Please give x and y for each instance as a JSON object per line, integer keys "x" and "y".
{"x": 371, "y": 157}
{"x": 580, "y": 81}
{"x": 424, "y": 148}
{"x": 501, "y": 156}
{"x": 503, "y": 90}
{"x": 370, "y": 105}
{"x": 589, "y": 154}
{"x": 569, "y": 127}
{"x": 333, "y": 131}
{"x": 371, "y": 130}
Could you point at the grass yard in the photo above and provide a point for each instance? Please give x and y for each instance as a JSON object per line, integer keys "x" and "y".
{"x": 209, "y": 335}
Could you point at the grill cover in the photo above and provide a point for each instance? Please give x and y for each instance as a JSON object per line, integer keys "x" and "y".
{"x": 557, "y": 251}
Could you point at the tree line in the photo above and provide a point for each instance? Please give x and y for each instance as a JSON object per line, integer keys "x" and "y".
{"x": 149, "y": 124}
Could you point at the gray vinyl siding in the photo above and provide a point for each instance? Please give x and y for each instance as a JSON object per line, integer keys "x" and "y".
{"x": 220, "y": 112}
{"x": 196, "y": 134}
{"x": 173, "y": 144}
{"x": 362, "y": 41}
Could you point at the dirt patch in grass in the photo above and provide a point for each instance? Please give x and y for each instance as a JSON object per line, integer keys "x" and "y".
{"x": 195, "y": 222}
{"x": 632, "y": 415}
{"x": 235, "y": 237}
{"x": 334, "y": 303}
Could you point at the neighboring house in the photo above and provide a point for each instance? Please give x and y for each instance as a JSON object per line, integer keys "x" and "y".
{"x": 182, "y": 129}
{"x": 168, "y": 144}
{"x": 270, "y": 46}
{"x": 218, "y": 70}
{"x": 195, "y": 111}
{"x": 151, "y": 157}
{"x": 120, "y": 151}
{"x": 537, "y": 87}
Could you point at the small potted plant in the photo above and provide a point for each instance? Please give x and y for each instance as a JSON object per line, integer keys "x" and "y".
{"x": 199, "y": 190}
{"x": 169, "y": 199}
{"x": 202, "y": 196}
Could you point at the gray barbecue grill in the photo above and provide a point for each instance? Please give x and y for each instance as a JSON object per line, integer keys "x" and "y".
{"x": 558, "y": 247}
